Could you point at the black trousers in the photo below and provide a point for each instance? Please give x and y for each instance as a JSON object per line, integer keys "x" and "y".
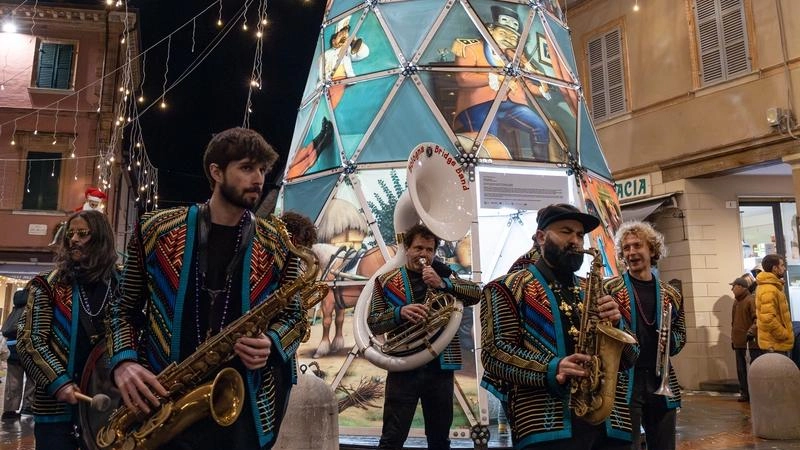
{"x": 584, "y": 437}
{"x": 741, "y": 371}
{"x": 56, "y": 436}
{"x": 434, "y": 387}
{"x": 650, "y": 411}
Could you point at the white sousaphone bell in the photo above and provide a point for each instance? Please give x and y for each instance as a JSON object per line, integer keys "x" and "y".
{"x": 439, "y": 194}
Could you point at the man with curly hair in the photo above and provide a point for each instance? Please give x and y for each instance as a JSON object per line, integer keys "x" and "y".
{"x": 648, "y": 300}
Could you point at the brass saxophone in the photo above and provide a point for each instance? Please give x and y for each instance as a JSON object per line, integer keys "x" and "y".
{"x": 593, "y": 396}
{"x": 189, "y": 400}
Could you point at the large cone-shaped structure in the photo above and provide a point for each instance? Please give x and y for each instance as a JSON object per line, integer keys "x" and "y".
{"x": 494, "y": 84}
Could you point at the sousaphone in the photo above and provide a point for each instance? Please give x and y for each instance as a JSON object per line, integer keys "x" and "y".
{"x": 440, "y": 196}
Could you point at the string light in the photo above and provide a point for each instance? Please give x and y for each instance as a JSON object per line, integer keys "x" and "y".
{"x": 636, "y": 6}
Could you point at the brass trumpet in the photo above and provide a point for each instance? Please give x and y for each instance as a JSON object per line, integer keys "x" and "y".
{"x": 662, "y": 354}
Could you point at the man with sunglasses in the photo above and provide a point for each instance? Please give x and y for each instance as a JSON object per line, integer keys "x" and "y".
{"x": 63, "y": 322}
{"x": 194, "y": 271}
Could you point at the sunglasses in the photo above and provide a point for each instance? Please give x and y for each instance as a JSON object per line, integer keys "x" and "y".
{"x": 81, "y": 233}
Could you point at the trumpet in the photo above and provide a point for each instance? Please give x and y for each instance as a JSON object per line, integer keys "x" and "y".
{"x": 662, "y": 354}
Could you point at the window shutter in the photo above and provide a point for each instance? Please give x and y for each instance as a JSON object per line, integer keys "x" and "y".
{"x": 63, "y": 70}
{"x": 47, "y": 63}
{"x": 722, "y": 39}
{"x": 55, "y": 65}
{"x": 606, "y": 75}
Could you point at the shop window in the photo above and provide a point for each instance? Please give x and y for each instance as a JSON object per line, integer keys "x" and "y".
{"x": 42, "y": 176}
{"x": 721, "y": 39}
{"x": 607, "y": 75}
{"x": 55, "y": 65}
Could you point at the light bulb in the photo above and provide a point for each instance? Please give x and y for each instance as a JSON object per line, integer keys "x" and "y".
{"x": 13, "y": 142}
{"x": 72, "y": 155}
{"x": 141, "y": 99}
{"x": 219, "y": 22}
{"x": 636, "y": 6}
{"x": 264, "y": 21}
{"x": 35, "y": 132}
{"x": 259, "y": 34}
{"x": 244, "y": 26}
{"x": 163, "y": 105}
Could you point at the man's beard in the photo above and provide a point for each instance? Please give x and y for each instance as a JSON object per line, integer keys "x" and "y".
{"x": 231, "y": 196}
{"x": 562, "y": 260}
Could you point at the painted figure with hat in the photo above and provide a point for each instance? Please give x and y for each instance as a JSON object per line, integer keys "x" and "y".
{"x": 338, "y": 59}
{"x": 743, "y": 330}
{"x": 657, "y": 318}
{"x": 528, "y": 352}
{"x": 478, "y": 90}
{"x": 95, "y": 200}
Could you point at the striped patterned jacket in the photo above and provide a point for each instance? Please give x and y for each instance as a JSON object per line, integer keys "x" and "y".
{"x": 47, "y": 337}
{"x": 522, "y": 345}
{"x": 393, "y": 291}
{"x": 620, "y": 288}
{"x": 155, "y": 280}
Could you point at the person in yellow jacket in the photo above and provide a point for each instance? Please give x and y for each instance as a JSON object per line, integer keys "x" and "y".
{"x": 772, "y": 308}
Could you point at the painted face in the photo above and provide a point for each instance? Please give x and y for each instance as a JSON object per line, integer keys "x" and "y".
{"x": 559, "y": 242}
{"x": 505, "y": 38}
{"x": 420, "y": 248}
{"x": 637, "y": 253}
{"x": 78, "y": 235}
{"x": 340, "y": 37}
{"x": 242, "y": 182}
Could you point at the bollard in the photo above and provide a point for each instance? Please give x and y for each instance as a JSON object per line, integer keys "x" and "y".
{"x": 312, "y": 417}
{"x": 774, "y": 384}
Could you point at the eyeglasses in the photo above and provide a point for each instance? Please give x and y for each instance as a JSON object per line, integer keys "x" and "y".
{"x": 81, "y": 233}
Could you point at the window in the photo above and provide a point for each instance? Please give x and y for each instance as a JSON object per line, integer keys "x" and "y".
{"x": 721, "y": 40}
{"x": 607, "y": 75}
{"x": 55, "y": 62}
{"x": 41, "y": 181}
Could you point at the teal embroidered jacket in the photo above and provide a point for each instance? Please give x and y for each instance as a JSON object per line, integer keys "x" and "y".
{"x": 393, "y": 291}
{"x": 621, "y": 287}
{"x": 522, "y": 344}
{"x": 47, "y": 339}
{"x": 155, "y": 281}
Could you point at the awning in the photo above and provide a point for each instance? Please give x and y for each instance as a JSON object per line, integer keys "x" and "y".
{"x": 23, "y": 271}
{"x": 642, "y": 209}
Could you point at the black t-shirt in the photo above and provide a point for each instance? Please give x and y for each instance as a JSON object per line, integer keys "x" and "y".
{"x": 226, "y": 305}
{"x": 644, "y": 300}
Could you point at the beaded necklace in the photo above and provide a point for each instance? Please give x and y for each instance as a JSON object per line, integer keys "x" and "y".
{"x": 570, "y": 305}
{"x": 647, "y": 322}
{"x": 214, "y": 293}
{"x": 86, "y": 305}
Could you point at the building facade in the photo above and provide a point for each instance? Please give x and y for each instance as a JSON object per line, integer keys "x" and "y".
{"x": 61, "y": 70}
{"x": 695, "y": 106}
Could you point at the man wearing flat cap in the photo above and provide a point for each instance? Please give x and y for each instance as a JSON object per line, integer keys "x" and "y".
{"x": 743, "y": 330}
{"x": 529, "y": 320}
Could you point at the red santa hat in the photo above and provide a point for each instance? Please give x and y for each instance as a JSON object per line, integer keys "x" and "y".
{"x": 94, "y": 194}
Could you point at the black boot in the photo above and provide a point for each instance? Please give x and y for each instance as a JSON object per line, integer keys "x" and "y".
{"x": 324, "y": 137}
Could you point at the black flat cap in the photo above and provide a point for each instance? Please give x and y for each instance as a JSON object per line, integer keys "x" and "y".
{"x": 565, "y": 211}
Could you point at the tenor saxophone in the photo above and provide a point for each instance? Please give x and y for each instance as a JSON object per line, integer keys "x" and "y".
{"x": 190, "y": 398}
{"x": 592, "y": 397}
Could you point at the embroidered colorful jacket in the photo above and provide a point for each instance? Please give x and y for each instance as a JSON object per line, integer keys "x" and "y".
{"x": 393, "y": 291}
{"x": 620, "y": 288}
{"x": 47, "y": 336}
{"x": 522, "y": 344}
{"x": 155, "y": 280}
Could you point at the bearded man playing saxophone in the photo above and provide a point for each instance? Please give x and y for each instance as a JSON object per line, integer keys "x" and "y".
{"x": 529, "y": 348}
{"x": 656, "y": 302}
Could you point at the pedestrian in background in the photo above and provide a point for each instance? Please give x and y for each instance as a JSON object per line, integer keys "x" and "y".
{"x": 743, "y": 330}
{"x": 15, "y": 375}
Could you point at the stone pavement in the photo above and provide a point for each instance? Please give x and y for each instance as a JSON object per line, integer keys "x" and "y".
{"x": 707, "y": 421}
